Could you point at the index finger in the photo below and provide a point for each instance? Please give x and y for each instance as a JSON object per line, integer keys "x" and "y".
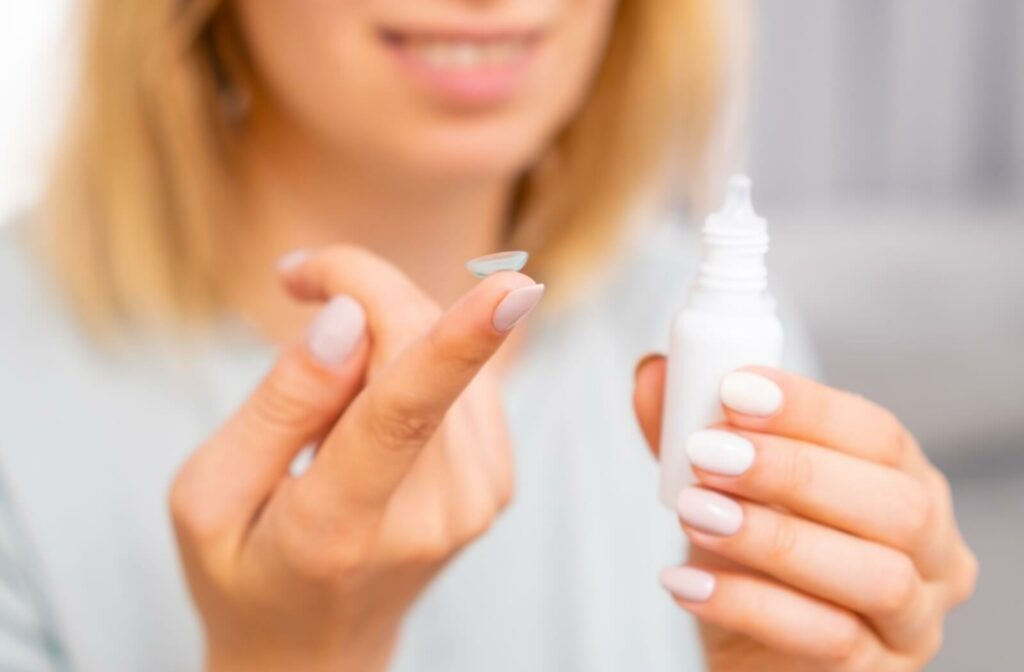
{"x": 777, "y": 402}
{"x": 378, "y": 439}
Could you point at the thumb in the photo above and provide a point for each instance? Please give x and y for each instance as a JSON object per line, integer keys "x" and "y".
{"x": 227, "y": 480}
{"x": 649, "y": 397}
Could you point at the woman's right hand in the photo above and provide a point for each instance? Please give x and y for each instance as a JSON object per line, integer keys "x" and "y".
{"x": 315, "y": 572}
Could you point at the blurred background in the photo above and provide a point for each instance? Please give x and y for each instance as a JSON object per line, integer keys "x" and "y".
{"x": 886, "y": 143}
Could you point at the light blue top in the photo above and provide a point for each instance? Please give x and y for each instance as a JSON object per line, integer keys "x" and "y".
{"x": 566, "y": 580}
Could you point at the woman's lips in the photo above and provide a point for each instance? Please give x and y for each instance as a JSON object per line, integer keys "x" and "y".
{"x": 472, "y": 70}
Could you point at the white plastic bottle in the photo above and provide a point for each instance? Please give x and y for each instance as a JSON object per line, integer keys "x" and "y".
{"x": 728, "y": 322}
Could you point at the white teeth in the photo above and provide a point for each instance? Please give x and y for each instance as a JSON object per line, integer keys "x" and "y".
{"x": 466, "y": 54}
{"x": 505, "y": 51}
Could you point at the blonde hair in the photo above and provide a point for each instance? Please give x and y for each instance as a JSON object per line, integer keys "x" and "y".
{"x": 130, "y": 225}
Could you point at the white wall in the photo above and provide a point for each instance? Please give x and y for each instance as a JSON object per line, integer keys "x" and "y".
{"x": 35, "y": 51}
{"x": 875, "y": 99}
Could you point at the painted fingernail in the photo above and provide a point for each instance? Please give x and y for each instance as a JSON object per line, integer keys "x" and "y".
{"x": 489, "y": 264}
{"x": 750, "y": 393}
{"x": 688, "y": 583}
{"x": 336, "y": 330}
{"x": 516, "y": 305}
{"x": 720, "y": 452}
{"x": 292, "y": 259}
{"x": 709, "y": 511}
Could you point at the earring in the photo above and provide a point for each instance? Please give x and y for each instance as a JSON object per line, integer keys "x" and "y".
{"x": 233, "y": 97}
{"x": 235, "y": 102}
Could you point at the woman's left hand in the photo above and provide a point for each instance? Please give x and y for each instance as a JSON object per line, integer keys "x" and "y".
{"x": 821, "y": 536}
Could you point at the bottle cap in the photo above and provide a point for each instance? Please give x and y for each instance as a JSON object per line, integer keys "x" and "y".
{"x": 737, "y": 216}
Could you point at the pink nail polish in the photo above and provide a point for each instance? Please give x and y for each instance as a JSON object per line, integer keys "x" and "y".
{"x": 688, "y": 583}
{"x": 750, "y": 393}
{"x": 709, "y": 511}
{"x": 336, "y": 330}
{"x": 515, "y": 306}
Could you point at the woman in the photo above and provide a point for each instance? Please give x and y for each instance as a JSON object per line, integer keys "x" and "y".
{"x": 389, "y": 142}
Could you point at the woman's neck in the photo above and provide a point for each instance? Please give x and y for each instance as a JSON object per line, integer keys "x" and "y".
{"x": 294, "y": 196}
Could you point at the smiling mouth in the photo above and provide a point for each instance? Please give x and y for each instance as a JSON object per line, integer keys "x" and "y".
{"x": 465, "y": 68}
{"x": 463, "y": 53}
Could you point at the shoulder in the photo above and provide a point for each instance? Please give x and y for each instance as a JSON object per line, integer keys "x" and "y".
{"x": 56, "y": 376}
{"x": 90, "y": 439}
{"x": 20, "y": 277}
{"x": 77, "y": 410}
{"x": 38, "y": 325}
{"x": 42, "y": 351}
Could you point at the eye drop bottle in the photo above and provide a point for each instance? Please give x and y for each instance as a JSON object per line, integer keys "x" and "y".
{"x": 728, "y": 322}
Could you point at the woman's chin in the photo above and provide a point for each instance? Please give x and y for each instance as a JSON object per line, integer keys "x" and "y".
{"x": 472, "y": 168}
{"x": 470, "y": 158}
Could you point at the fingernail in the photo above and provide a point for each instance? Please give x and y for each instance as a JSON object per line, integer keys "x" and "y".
{"x": 688, "y": 583}
{"x": 292, "y": 259}
{"x": 336, "y": 330}
{"x": 750, "y": 393}
{"x": 516, "y": 305}
{"x": 709, "y": 511}
{"x": 720, "y": 452}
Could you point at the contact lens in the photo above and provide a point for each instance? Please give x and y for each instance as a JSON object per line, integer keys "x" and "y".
{"x": 490, "y": 264}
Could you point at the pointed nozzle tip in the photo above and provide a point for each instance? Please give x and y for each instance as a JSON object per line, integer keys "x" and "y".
{"x": 737, "y": 213}
{"x": 737, "y": 195}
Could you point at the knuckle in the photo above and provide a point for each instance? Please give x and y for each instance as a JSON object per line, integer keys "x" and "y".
{"x": 751, "y": 609}
{"x": 932, "y": 643}
{"x": 475, "y": 527}
{"x": 323, "y": 563}
{"x": 319, "y": 546}
{"x": 782, "y": 540}
{"x": 402, "y": 420}
{"x": 476, "y": 522}
{"x": 897, "y": 440}
{"x": 179, "y": 499}
{"x": 915, "y": 520}
{"x": 182, "y": 509}
{"x": 432, "y": 546}
{"x": 968, "y": 577}
{"x": 940, "y": 485}
{"x": 817, "y": 411}
{"x": 503, "y": 494}
{"x": 398, "y": 428}
{"x": 897, "y": 587}
{"x": 285, "y": 400}
{"x": 192, "y": 520}
{"x": 797, "y": 469}
{"x": 841, "y": 641}
{"x": 829, "y": 411}
{"x": 429, "y": 553}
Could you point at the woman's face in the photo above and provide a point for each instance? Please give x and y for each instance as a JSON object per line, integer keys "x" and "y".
{"x": 450, "y": 88}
